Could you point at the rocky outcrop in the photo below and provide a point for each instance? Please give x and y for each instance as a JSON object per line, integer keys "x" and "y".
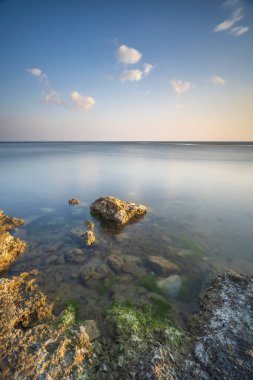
{"x": 115, "y": 210}
{"x": 74, "y": 201}
{"x": 10, "y": 247}
{"x": 224, "y": 329}
{"x": 89, "y": 235}
{"x": 33, "y": 344}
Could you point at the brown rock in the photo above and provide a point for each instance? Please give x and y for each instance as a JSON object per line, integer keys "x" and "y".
{"x": 10, "y": 247}
{"x": 133, "y": 269}
{"x": 115, "y": 210}
{"x": 162, "y": 266}
{"x": 74, "y": 201}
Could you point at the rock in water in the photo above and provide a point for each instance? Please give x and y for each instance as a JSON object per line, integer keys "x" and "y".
{"x": 74, "y": 201}
{"x": 89, "y": 235}
{"x": 162, "y": 266}
{"x": 10, "y": 247}
{"x": 115, "y": 210}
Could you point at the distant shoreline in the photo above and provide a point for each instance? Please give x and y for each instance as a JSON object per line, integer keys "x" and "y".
{"x": 234, "y": 143}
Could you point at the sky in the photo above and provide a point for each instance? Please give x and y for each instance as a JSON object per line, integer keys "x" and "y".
{"x": 148, "y": 70}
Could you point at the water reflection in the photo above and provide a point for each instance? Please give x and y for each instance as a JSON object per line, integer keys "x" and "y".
{"x": 200, "y": 217}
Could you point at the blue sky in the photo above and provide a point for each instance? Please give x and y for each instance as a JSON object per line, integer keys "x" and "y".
{"x": 133, "y": 70}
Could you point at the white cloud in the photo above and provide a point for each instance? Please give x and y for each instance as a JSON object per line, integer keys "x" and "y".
{"x": 147, "y": 68}
{"x": 218, "y": 81}
{"x": 83, "y": 102}
{"x": 35, "y": 72}
{"x": 131, "y": 75}
{"x": 239, "y": 30}
{"x": 53, "y": 97}
{"x": 181, "y": 87}
{"x": 128, "y": 55}
{"x": 227, "y": 24}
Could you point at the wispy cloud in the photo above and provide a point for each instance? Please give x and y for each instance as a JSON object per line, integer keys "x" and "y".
{"x": 131, "y": 75}
{"x": 53, "y": 97}
{"x": 83, "y": 102}
{"x": 239, "y": 30}
{"x": 50, "y": 96}
{"x": 35, "y": 72}
{"x": 128, "y": 55}
{"x": 180, "y": 87}
{"x": 217, "y": 80}
{"x": 236, "y": 16}
{"x": 147, "y": 68}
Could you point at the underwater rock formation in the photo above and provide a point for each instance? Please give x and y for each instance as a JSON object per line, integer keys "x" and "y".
{"x": 33, "y": 344}
{"x": 115, "y": 210}
{"x": 10, "y": 247}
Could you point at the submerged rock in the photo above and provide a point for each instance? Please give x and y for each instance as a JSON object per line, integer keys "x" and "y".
{"x": 161, "y": 265}
{"x": 116, "y": 210}
{"x": 115, "y": 263}
{"x": 170, "y": 286}
{"x": 74, "y": 201}
{"x": 10, "y": 247}
{"x": 33, "y": 346}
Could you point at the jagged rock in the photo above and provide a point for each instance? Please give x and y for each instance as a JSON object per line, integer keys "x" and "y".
{"x": 115, "y": 210}
{"x": 161, "y": 265}
{"x": 10, "y": 247}
{"x": 115, "y": 263}
{"x": 224, "y": 329}
{"x": 74, "y": 201}
{"x": 89, "y": 235}
{"x": 33, "y": 346}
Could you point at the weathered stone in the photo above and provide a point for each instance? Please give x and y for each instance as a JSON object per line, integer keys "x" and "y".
{"x": 32, "y": 347}
{"x": 10, "y": 247}
{"x": 89, "y": 237}
{"x": 115, "y": 210}
{"x": 161, "y": 265}
{"x": 74, "y": 201}
{"x": 115, "y": 263}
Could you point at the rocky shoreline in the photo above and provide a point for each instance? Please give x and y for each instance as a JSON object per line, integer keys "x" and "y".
{"x": 40, "y": 340}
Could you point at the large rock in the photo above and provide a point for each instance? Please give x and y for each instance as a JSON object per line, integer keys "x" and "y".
{"x": 10, "y": 247}
{"x": 115, "y": 210}
{"x": 32, "y": 345}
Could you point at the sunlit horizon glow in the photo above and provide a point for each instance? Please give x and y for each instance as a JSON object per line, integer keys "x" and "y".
{"x": 122, "y": 71}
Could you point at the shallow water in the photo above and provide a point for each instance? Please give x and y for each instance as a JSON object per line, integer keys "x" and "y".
{"x": 200, "y": 217}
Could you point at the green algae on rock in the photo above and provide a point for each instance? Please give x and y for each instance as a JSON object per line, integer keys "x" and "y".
{"x": 115, "y": 210}
{"x": 10, "y": 247}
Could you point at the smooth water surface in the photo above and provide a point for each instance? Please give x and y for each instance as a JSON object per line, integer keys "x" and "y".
{"x": 200, "y": 201}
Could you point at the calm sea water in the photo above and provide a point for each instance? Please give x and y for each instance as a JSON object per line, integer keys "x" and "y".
{"x": 200, "y": 201}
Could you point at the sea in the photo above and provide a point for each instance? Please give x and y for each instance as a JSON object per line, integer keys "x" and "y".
{"x": 200, "y": 218}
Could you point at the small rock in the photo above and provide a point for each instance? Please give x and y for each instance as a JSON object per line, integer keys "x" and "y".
{"x": 74, "y": 201}
{"x": 170, "y": 286}
{"x": 133, "y": 269}
{"x": 161, "y": 265}
{"x": 89, "y": 237}
{"x": 75, "y": 255}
